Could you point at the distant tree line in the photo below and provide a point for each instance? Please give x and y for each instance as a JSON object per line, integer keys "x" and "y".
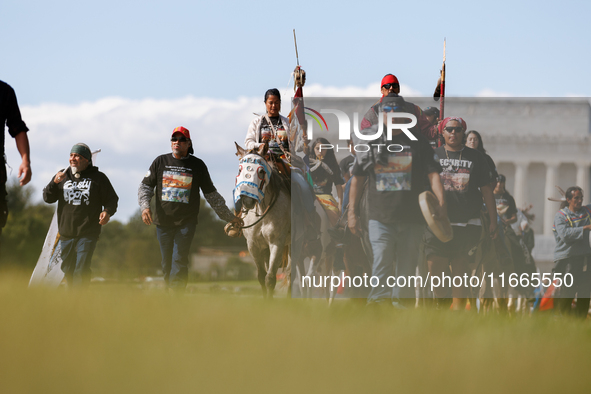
{"x": 124, "y": 251}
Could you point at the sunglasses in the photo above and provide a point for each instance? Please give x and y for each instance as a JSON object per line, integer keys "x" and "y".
{"x": 179, "y": 139}
{"x": 452, "y": 129}
{"x": 389, "y": 86}
{"x": 390, "y": 109}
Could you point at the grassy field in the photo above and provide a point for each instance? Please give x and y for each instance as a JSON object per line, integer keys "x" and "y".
{"x": 122, "y": 339}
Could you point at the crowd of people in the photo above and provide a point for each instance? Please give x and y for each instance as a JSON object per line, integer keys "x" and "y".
{"x": 444, "y": 158}
{"x": 450, "y": 161}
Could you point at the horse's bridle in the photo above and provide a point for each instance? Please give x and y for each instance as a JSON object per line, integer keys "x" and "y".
{"x": 264, "y": 213}
{"x": 245, "y": 211}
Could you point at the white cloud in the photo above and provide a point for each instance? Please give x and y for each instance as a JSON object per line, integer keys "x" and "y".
{"x": 131, "y": 133}
{"x": 372, "y": 90}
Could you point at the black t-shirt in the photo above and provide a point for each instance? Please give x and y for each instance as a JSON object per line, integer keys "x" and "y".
{"x": 464, "y": 172}
{"x": 10, "y": 116}
{"x": 323, "y": 179}
{"x": 397, "y": 179}
{"x": 177, "y": 183}
{"x": 505, "y": 205}
{"x": 492, "y": 167}
{"x": 268, "y": 136}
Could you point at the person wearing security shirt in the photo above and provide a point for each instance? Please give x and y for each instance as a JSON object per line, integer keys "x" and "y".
{"x": 86, "y": 201}
{"x": 466, "y": 179}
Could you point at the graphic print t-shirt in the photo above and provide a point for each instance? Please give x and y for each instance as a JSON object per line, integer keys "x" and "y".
{"x": 397, "y": 179}
{"x": 505, "y": 205}
{"x": 395, "y": 175}
{"x": 464, "y": 172}
{"x": 323, "y": 180}
{"x": 177, "y": 184}
{"x": 268, "y": 136}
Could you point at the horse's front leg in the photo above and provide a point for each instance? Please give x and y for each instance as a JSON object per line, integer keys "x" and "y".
{"x": 329, "y": 270}
{"x": 275, "y": 258}
{"x": 260, "y": 259}
{"x": 289, "y": 272}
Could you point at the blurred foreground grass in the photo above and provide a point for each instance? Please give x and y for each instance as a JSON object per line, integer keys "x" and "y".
{"x": 119, "y": 339}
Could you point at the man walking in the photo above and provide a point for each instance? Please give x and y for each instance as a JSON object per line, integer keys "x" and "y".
{"x": 177, "y": 178}
{"x": 390, "y": 85}
{"x": 86, "y": 201}
{"x": 396, "y": 225}
{"x": 10, "y": 116}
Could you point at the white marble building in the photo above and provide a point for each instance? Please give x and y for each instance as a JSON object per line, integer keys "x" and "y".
{"x": 537, "y": 143}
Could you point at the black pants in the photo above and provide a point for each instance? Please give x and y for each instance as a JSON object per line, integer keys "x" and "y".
{"x": 3, "y": 212}
{"x": 580, "y": 269}
{"x": 3, "y": 206}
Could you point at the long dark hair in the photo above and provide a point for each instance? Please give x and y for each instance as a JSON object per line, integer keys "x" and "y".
{"x": 329, "y": 158}
{"x": 272, "y": 92}
{"x": 569, "y": 195}
{"x": 480, "y": 143}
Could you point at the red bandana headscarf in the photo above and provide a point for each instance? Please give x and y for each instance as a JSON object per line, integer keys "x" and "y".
{"x": 456, "y": 118}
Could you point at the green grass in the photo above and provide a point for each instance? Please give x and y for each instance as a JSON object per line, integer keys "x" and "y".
{"x": 121, "y": 339}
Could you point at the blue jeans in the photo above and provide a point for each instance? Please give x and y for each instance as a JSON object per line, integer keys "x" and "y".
{"x": 175, "y": 242}
{"x": 395, "y": 248}
{"x": 76, "y": 258}
{"x": 308, "y": 196}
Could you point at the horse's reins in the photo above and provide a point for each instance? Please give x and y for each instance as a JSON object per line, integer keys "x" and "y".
{"x": 264, "y": 213}
{"x": 268, "y": 207}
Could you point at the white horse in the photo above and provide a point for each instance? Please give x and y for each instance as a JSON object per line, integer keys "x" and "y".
{"x": 265, "y": 202}
{"x": 263, "y": 196}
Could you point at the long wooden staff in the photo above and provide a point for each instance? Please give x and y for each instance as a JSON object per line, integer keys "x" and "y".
{"x": 299, "y": 77}
{"x": 442, "y": 89}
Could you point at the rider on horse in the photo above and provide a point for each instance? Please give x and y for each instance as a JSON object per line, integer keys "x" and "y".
{"x": 273, "y": 130}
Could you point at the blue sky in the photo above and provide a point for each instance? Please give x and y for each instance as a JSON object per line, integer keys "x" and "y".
{"x": 72, "y": 51}
{"x": 122, "y": 74}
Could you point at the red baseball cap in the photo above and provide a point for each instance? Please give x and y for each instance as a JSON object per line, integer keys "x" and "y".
{"x": 183, "y": 131}
{"x": 389, "y": 78}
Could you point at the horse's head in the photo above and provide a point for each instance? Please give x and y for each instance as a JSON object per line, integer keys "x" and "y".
{"x": 254, "y": 174}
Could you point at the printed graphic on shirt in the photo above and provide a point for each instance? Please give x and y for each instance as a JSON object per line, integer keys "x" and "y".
{"x": 396, "y": 175}
{"x": 502, "y": 208}
{"x": 320, "y": 185}
{"x": 176, "y": 186}
{"x": 267, "y": 132}
{"x": 502, "y": 205}
{"x": 268, "y": 136}
{"x": 76, "y": 193}
{"x": 455, "y": 182}
{"x": 456, "y": 175}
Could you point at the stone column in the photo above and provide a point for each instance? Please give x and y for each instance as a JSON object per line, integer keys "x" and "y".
{"x": 583, "y": 180}
{"x": 550, "y": 207}
{"x": 520, "y": 190}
